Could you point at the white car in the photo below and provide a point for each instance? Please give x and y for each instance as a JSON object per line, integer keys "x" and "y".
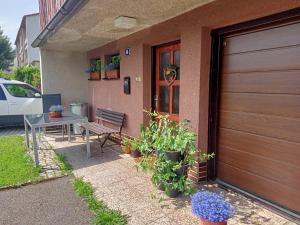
{"x": 18, "y": 99}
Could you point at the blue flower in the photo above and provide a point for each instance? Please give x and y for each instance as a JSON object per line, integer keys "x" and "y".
{"x": 211, "y": 206}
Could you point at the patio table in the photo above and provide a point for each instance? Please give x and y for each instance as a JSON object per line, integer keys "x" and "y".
{"x": 42, "y": 120}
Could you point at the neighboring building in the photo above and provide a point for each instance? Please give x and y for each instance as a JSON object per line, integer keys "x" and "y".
{"x": 48, "y": 9}
{"x": 238, "y": 79}
{"x": 28, "y": 31}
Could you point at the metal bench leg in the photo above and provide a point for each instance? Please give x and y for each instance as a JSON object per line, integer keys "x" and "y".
{"x": 106, "y": 138}
{"x": 99, "y": 139}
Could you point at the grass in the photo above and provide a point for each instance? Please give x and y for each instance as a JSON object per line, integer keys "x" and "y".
{"x": 103, "y": 215}
{"x": 64, "y": 165}
{"x": 16, "y": 166}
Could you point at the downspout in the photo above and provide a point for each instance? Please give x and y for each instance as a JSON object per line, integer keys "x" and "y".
{"x": 69, "y": 8}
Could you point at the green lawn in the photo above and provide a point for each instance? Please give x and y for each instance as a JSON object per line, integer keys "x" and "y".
{"x": 16, "y": 166}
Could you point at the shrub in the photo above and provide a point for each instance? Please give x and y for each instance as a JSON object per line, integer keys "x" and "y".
{"x": 28, "y": 74}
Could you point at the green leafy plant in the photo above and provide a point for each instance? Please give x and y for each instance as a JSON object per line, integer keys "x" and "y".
{"x": 126, "y": 145}
{"x": 95, "y": 66}
{"x": 164, "y": 135}
{"x": 116, "y": 61}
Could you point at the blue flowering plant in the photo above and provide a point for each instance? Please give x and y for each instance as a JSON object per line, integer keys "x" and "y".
{"x": 211, "y": 206}
{"x": 56, "y": 108}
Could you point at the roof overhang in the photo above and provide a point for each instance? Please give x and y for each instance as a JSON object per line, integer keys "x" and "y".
{"x": 82, "y": 25}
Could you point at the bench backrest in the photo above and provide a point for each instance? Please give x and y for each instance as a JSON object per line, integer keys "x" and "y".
{"x": 112, "y": 117}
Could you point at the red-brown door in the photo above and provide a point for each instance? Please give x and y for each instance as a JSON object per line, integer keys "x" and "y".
{"x": 167, "y": 88}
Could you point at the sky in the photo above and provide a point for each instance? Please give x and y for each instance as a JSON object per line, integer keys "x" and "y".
{"x": 11, "y": 13}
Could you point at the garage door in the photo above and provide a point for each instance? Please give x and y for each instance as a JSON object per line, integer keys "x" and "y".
{"x": 259, "y": 123}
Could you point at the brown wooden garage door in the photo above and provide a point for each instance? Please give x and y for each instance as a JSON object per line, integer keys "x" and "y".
{"x": 259, "y": 124}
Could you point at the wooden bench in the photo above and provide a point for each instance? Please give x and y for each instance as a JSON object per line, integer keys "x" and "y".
{"x": 105, "y": 117}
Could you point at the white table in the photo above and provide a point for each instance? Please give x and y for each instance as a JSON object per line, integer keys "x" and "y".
{"x": 42, "y": 120}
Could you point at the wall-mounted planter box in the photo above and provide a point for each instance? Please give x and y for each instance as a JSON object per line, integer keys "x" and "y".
{"x": 95, "y": 76}
{"x": 112, "y": 74}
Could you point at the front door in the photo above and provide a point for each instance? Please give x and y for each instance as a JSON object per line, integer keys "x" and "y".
{"x": 167, "y": 77}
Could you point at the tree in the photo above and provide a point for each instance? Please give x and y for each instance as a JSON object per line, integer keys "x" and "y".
{"x": 7, "y": 54}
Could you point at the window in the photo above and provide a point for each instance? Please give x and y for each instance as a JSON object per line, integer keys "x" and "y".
{"x": 21, "y": 90}
{"x": 2, "y": 94}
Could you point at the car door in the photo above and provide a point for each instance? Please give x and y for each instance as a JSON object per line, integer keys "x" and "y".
{"x": 23, "y": 99}
{"x": 3, "y": 103}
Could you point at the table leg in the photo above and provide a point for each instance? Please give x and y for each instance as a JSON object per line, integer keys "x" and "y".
{"x": 26, "y": 133}
{"x": 88, "y": 147}
{"x": 35, "y": 150}
{"x": 69, "y": 132}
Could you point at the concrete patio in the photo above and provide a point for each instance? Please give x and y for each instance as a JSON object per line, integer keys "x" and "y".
{"x": 122, "y": 187}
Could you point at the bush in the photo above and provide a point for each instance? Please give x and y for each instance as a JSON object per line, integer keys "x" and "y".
{"x": 6, "y": 75}
{"x": 28, "y": 74}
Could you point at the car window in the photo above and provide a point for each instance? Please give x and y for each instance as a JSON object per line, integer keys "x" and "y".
{"x": 21, "y": 90}
{"x": 2, "y": 94}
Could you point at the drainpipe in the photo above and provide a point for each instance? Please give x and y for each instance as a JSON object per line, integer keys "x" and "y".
{"x": 69, "y": 8}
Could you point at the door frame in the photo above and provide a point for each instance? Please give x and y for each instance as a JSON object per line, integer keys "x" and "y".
{"x": 153, "y": 69}
{"x": 214, "y": 93}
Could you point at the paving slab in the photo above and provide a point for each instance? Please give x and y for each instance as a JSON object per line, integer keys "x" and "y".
{"x": 122, "y": 187}
{"x": 47, "y": 203}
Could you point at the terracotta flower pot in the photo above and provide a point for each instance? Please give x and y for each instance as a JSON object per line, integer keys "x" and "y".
{"x": 126, "y": 149}
{"x": 95, "y": 76}
{"x": 54, "y": 114}
{"x": 206, "y": 222}
{"x": 135, "y": 154}
{"x": 113, "y": 74}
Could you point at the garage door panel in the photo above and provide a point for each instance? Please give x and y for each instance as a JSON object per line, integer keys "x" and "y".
{"x": 265, "y": 60}
{"x": 263, "y": 39}
{"x": 265, "y": 167}
{"x": 268, "y": 189}
{"x": 264, "y": 125}
{"x": 259, "y": 112}
{"x": 278, "y": 82}
{"x": 278, "y": 150}
{"x": 268, "y": 104}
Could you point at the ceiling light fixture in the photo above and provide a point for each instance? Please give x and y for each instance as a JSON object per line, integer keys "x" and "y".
{"x": 125, "y": 22}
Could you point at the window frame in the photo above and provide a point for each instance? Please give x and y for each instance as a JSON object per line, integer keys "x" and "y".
{"x": 27, "y": 86}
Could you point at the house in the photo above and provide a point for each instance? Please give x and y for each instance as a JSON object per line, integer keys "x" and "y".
{"x": 28, "y": 31}
{"x": 235, "y": 75}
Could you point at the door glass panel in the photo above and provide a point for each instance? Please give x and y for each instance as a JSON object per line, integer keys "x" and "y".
{"x": 176, "y": 99}
{"x": 177, "y": 62}
{"x": 164, "y": 60}
{"x": 2, "y": 95}
{"x": 164, "y": 99}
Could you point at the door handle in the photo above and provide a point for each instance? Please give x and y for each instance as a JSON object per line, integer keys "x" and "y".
{"x": 13, "y": 103}
{"x": 156, "y": 101}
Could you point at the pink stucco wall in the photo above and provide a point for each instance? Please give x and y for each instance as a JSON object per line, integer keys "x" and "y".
{"x": 193, "y": 31}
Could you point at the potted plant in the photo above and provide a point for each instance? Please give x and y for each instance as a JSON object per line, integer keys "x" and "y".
{"x": 211, "y": 208}
{"x": 135, "y": 148}
{"x": 55, "y": 111}
{"x": 95, "y": 70}
{"x": 126, "y": 145}
{"x": 175, "y": 151}
{"x": 173, "y": 139}
{"x": 113, "y": 68}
